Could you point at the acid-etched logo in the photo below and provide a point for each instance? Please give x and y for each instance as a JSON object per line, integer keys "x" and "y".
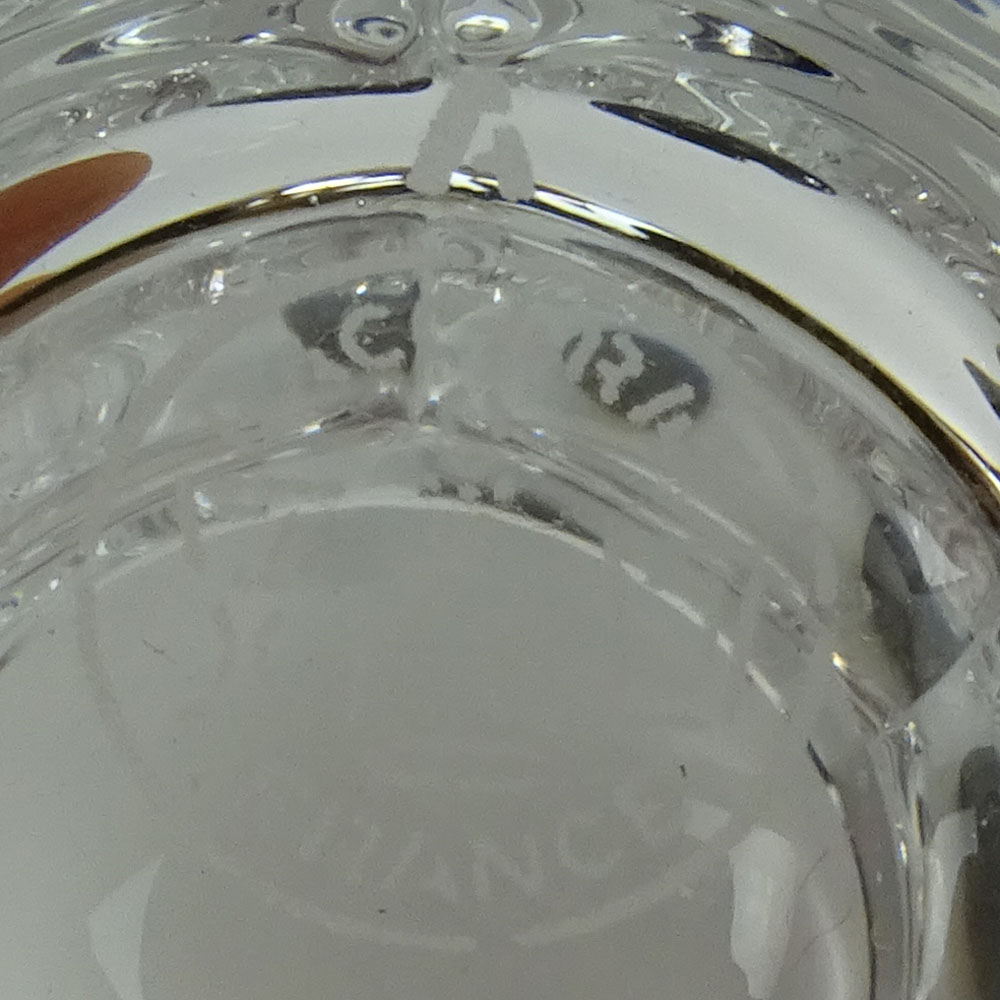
{"x": 412, "y": 859}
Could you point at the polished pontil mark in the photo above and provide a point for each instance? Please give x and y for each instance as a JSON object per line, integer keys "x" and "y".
{"x": 639, "y": 378}
{"x": 720, "y": 35}
{"x": 980, "y": 791}
{"x": 366, "y": 327}
{"x": 710, "y": 138}
{"x": 491, "y": 24}
{"x": 374, "y": 30}
{"x": 906, "y": 574}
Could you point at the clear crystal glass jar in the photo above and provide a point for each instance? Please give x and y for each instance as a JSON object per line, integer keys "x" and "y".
{"x": 499, "y": 498}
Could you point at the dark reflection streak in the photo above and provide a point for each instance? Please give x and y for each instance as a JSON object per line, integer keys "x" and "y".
{"x": 537, "y": 509}
{"x": 901, "y": 43}
{"x": 866, "y": 909}
{"x": 988, "y": 386}
{"x": 523, "y": 504}
{"x": 323, "y": 48}
{"x": 627, "y": 504}
{"x": 760, "y": 48}
{"x": 860, "y": 869}
{"x": 819, "y": 765}
{"x": 7, "y": 656}
{"x": 351, "y": 90}
{"x": 710, "y": 138}
{"x": 90, "y": 49}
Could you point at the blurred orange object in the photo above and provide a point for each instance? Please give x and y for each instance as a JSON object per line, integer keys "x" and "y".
{"x": 38, "y": 212}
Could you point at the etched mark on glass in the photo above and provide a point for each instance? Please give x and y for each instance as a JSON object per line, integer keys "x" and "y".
{"x": 641, "y": 379}
{"x": 578, "y": 855}
{"x": 367, "y": 327}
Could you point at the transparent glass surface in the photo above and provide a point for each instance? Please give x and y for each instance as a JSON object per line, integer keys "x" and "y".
{"x": 499, "y": 499}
